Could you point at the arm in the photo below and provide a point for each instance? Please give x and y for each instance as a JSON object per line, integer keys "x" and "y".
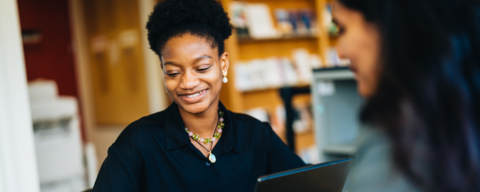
{"x": 280, "y": 157}
{"x": 117, "y": 173}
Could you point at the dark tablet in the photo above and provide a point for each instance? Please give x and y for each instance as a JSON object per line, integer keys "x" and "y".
{"x": 323, "y": 177}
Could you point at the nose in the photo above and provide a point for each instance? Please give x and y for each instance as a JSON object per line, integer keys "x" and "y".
{"x": 189, "y": 81}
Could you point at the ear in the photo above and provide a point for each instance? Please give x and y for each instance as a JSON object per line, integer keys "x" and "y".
{"x": 224, "y": 63}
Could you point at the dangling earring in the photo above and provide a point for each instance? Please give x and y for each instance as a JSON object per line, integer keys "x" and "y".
{"x": 225, "y": 80}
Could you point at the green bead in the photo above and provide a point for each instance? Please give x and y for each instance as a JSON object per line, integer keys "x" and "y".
{"x": 221, "y": 113}
{"x": 207, "y": 141}
{"x": 196, "y": 137}
{"x": 186, "y": 130}
{"x": 221, "y": 125}
{"x": 216, "y": 135}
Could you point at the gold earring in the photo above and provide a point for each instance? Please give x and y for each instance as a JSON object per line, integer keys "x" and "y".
{"x": 225, "y": 80}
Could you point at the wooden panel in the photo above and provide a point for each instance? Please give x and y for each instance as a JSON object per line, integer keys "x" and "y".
{"x": 323, "y": 40}
{"x": 118, "y": 74}
{"x": 272, "y": 48}
{"x": 304, "y": 140}
{"x": 269, "y": 99}
{"x": 285, "y": 4}
{"x": 333, "y": 41}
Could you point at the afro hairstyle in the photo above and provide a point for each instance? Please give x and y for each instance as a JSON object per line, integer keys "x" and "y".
{"x": 202, "y": 18}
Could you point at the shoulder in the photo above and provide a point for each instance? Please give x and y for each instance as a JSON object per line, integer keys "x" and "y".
{"x": 142, "y": 130}
{"x": 374, "y": 164}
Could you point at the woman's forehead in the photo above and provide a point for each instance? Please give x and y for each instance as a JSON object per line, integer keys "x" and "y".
{"x": 188, "y": 46}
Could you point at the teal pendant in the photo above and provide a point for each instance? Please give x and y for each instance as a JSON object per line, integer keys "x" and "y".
{"x": 212, "y": 158}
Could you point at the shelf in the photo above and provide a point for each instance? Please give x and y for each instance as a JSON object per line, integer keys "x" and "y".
{"x": 326, "y": 73}
{"x": 245, "y": 48}
{"x": 275, "y": 48}
{"x": 275, "y": 88}
{"x": 248, "y": 39}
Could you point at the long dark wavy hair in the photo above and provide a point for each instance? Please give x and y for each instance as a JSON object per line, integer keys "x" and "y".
{"x": 429, "y": 88}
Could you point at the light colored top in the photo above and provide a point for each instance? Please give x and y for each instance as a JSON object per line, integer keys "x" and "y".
{"x": 373, "y": 168}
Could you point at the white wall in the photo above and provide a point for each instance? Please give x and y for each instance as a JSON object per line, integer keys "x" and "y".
{"x": 18, "y": 169}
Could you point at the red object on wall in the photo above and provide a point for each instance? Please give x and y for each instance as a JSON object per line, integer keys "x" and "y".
{"x": 50, "y": 54}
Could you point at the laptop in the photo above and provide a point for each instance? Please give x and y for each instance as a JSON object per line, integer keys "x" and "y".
{"x": 324, "y": 177}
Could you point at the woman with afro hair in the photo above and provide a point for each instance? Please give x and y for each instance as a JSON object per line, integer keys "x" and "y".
{"x": 195, "y": 144}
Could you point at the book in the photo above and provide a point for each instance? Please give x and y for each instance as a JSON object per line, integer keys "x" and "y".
{"x": 259, "y": 21}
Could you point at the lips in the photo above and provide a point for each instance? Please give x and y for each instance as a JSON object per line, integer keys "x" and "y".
{"x": 193, "y": 97}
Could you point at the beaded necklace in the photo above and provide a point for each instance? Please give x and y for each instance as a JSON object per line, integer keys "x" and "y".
{"x": 216, "y": 135}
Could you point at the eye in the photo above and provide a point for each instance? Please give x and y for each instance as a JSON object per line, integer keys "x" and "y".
{"x": 172, "y": 73}
{"x": 340, "y": 31}
{"x": 203, "y": 69}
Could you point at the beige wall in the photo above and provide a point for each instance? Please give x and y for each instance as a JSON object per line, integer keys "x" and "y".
{"x": 105, "y": 121}
{"x": 103, "y": 138}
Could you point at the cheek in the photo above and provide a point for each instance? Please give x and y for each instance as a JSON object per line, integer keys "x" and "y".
{"x": 369, "y": 63}
{"x": 350, "y": 47}
{"x": 213, "y": 79}
{"x": 370, "y": 57}
{"x": 170, "y": 86}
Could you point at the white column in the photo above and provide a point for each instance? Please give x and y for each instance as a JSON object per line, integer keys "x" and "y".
{"x": 18, "y": 169}
{"x": 155, "y": 89}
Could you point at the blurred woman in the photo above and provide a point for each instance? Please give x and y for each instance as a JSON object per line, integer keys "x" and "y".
{"x": 417, "y": 64}
{"x": 196, "y": 144}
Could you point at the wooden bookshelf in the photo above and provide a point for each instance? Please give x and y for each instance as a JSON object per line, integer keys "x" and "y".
{"x": 248, "y": 39}
{"x": 245, "y": 48}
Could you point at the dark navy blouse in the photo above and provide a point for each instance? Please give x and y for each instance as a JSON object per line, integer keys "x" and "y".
{"x": 154, "y": 153}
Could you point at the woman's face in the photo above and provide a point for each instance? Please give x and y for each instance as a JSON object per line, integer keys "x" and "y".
{"x": 193, "y": 72}
{"x": 359, "y": 41}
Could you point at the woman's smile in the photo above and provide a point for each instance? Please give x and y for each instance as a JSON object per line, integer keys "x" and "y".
{"x": 193, "y": 97}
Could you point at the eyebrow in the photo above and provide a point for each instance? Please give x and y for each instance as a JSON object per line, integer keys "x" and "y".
{"x": 195, "y": 60}
{"x": 202, "y": 57}
{"x": 170, "y": 63}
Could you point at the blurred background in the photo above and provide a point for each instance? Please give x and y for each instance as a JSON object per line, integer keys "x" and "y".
{"x": 90, "y": 73}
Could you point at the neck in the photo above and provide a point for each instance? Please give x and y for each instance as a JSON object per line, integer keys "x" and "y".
{"x": 203, "y": 123}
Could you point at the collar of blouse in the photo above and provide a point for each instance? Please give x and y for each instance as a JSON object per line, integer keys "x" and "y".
{"x": 176, "y": 137}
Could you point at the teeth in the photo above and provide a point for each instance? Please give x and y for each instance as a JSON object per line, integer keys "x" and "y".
{"x": 194, "y": 95}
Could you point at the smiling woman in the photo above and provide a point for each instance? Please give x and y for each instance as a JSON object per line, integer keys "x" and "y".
{"x": 194, "y": 72}
{"x": 196, "y": 144}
